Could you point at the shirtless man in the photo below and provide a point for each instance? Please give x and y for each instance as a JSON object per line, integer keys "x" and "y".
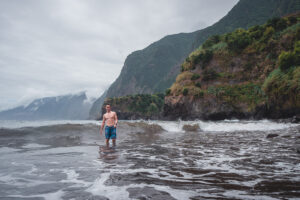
{"x": 111, "y": 120}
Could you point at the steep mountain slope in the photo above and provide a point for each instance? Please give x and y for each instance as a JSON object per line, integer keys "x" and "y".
{"x": 247, "y": 13}
{"x": 246, "y": 73}
{"x": 155, "y": 68}
{"x": 150, "y": 70}
{"x": 51, "y": 108}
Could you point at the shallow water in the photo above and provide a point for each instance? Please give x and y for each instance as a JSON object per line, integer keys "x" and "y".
{"x": 152, "y": 160}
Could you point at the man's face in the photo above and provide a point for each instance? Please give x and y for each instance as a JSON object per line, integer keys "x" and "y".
{"x": 107, "y": 108}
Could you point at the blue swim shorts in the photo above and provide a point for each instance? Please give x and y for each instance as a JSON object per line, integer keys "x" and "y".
{"x": 110, "y": 132}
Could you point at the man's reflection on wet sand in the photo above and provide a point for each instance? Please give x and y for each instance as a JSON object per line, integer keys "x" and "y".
{"x": 108, "y": 153}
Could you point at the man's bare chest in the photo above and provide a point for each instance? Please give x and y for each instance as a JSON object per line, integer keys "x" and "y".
{"x": 109, "y": 116}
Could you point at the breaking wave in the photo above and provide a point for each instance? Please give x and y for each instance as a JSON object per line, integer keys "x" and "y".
{"x": 223, "y": 126}
{"x": 152, "y": 125}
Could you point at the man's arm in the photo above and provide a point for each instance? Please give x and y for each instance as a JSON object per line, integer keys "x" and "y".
{"x": 116, "y": 120}
{"x": 102, "y": 125}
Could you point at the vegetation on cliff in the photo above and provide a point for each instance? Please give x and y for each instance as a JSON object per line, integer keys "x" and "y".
{"x": 136, "y": 106}
{"x": 246, "y": 69}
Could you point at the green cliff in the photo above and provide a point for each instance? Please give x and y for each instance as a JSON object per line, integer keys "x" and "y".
{"x": 245, "y": 73}
{"x": 155, "y": 68}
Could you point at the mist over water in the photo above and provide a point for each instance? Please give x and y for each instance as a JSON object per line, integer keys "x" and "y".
{"x": 228, "y": 159}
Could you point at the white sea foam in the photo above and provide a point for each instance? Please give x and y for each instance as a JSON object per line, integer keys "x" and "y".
{"x": 73, "y": 177}
{"x": 229, "y": 126}
{"x": 98, "y": 187}
{"x": 222, "y": 163}
{"x": 242, "y": 195}
{"x": 225, "y": 125}
{"x": 13, "y": 179}
{"x": 23, "y": 123}
{"x": 5, "y": 150}
{"x": 47, "y": 196}
{"x": 120, "y": 192}
{"x": 251, "y": 183}
{"x": 34, "y": 145}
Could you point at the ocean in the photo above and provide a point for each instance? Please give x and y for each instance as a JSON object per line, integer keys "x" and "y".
{"x": 229, "y": 159}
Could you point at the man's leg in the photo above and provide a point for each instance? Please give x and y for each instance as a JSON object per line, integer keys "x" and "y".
{"x": 114, "y": 136}
{"x": 107, "y": 135}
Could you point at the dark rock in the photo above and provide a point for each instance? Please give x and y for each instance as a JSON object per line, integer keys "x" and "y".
{"x": 266, "y": 161}
{"x": 234, "y": 148}
{"x": 191, "y": 128}
{"x": 272, "y": 135}
{"x": 248, "y": 159}
{"x": 298, "y": 149}
{"x": 277, "y": 186}
{"x": 286, "y": 136}
{"x": 152, "y": 128}
{"x": 148, "y": 193}
{"x": 186, "y": 108}
{"x": 296, "y": 119}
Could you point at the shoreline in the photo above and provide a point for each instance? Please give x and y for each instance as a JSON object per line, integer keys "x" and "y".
{"x": 293, "y": 119}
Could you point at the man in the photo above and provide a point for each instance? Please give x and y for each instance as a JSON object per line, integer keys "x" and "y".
{"x": 111, "y": 120}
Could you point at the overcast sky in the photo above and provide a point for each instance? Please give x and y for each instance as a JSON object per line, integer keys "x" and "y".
{"x": 56, "y": 47}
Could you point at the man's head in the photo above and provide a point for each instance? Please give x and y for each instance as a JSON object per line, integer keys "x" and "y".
{"x": 107, "y": 107}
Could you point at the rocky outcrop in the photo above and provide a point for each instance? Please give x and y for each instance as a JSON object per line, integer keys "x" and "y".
{"x": 272, "y": 135}
{"x": 191, "y": 127}
{"x": 252, "y": 73}
{"x": 187, "y": 108}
